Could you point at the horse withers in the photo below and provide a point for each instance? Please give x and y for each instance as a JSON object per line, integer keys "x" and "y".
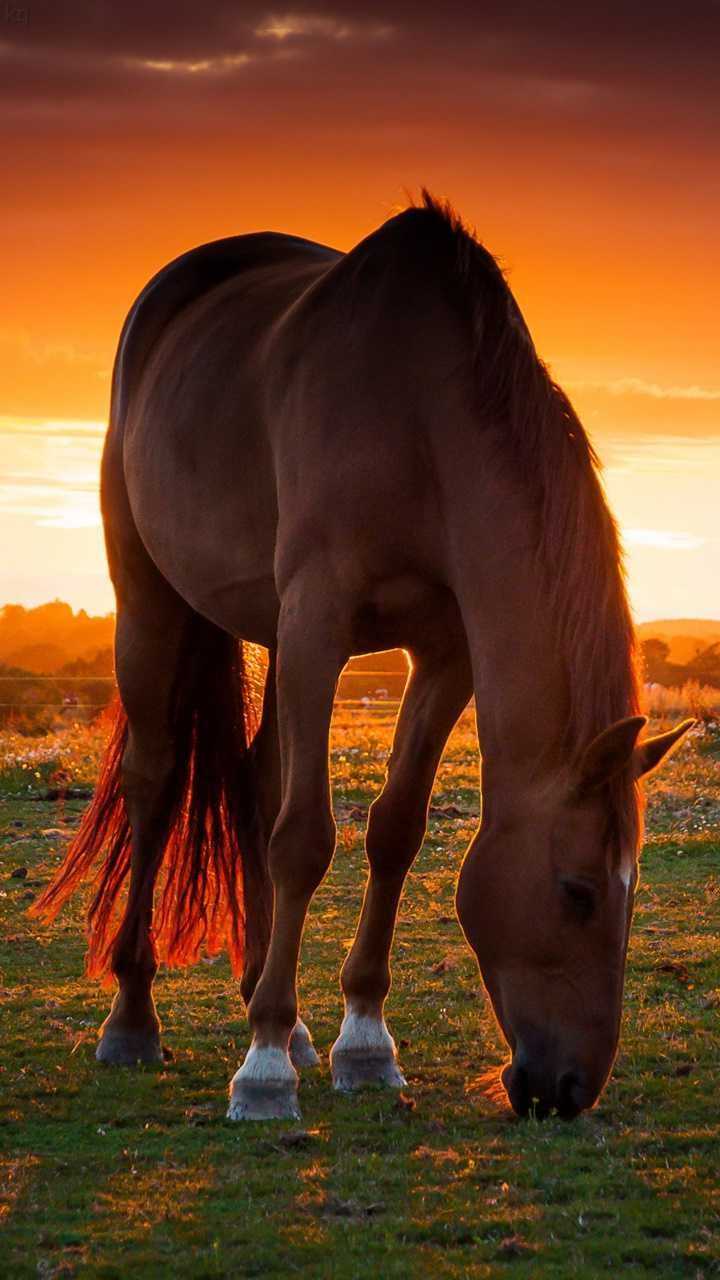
{"x": 329, "y": 454}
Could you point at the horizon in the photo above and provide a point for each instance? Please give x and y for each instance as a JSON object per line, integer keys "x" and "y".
{"x": 110, "y": 613}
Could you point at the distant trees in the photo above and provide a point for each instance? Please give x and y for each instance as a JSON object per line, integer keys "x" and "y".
{"x": 58, "y": 664}
{"x": 704, "y": 667}
{"x": 45, "y": 639}
{"x": 54, "y": 665}
{"x": 101, "y": 663}
{"x": 656, "y": 654}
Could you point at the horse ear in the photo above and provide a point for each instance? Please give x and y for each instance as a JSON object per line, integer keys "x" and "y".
{"x": 652, "y": 751}
{"x": 609, "y": 753}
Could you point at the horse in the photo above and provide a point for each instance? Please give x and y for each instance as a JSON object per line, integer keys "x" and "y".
{"x": 328, "y": 454}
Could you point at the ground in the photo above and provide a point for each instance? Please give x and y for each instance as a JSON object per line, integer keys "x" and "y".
{"x": 125, "y": 1173}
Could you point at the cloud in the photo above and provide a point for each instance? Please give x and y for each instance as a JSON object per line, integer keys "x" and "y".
{"x": 74, "y": 518}
{"x": 289, "y": 26}
{"x": 600, "y": 58}
{"x": 639, "y": 387}
{"x": 40, "y": 351}
{"x": 47, "y": 428}
{"x": 51, "y": 472}
{"x": 276, "y": 30}
{"x": 663, "y": 539}
{"x": 187, "y": 66}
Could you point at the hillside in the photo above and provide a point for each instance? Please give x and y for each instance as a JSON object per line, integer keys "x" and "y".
{"x": 703, "y": 627}
{"x": 685, "y": 637}
{"x": 45, "y": 639}
{"x": 51, "y": 639}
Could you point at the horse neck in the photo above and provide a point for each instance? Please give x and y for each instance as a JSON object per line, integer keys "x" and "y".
{"x": 520, "y": 676}
{"x": 520, "y": 687}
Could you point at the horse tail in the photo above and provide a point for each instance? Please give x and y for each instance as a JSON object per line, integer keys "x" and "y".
{"x": 213, "y": 889}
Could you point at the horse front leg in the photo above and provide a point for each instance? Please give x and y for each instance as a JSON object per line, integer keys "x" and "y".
{"x": 310, "y": 658}
{"x": 439, "y": 687}
{"x": 266, "y": 761}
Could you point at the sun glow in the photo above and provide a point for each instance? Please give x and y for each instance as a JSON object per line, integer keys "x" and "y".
{"x": 50, "y": 517}
{"x": 666, "y": 539}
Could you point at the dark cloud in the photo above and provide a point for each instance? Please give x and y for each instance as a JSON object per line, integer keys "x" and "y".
{"x": 574, "y": 58}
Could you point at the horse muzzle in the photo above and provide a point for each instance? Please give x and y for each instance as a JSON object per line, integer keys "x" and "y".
{"x": 539, "y": 1092}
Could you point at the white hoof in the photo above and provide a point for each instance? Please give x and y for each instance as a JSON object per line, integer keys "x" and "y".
{"x": 364, "y": 1053}
{"x": 265, "y": 1087}
{"x": 302, "y": 1050}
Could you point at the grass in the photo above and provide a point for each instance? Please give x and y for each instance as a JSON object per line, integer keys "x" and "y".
{"x": 116, "y": 1173}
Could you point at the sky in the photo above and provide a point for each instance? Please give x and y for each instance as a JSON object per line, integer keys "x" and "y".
{"x": 580, "y": 140}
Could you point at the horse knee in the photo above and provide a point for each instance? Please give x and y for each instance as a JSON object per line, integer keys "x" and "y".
{"x": 301, "y": 848}
{"x": 145, "y": 778}
{"x": 394, "y": 836}
{"x": 145, "y": 765}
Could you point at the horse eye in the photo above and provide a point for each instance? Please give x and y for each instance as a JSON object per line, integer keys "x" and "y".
{"x": 580, "y": 896}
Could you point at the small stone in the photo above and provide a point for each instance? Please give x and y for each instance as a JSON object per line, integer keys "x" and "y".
{"x": 202, "y": 1113}
{"x": 404, "y": 1102}
{"x": 334, "y": 1207}
{"x": 513, "y": 1247}
{"x": 297, "y": 1139}
{"x": 19, "y": 873}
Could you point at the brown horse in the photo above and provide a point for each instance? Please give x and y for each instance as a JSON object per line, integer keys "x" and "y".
{"x": 333, "y": 454}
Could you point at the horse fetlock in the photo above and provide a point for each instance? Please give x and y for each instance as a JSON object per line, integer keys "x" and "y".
{"x": 302, "y": 1050}
{"x": 265, "y": 1086}
{"x": 135, "y": 972}
{"x": 365, "y": 983}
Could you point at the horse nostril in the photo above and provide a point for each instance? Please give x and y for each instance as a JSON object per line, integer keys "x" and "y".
{"x": 517, "y": 1085}
{"x": 570, "y": 1095}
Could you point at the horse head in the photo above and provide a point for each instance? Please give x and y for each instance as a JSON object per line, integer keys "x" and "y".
{"x": 545, "y": 899}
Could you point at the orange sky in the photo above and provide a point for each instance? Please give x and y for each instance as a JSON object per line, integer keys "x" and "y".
{"x": 580, "y": 140}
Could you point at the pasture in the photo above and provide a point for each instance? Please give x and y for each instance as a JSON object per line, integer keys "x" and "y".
{"x": 117, "y": 1173}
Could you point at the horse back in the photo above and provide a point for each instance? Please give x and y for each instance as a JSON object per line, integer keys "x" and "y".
{"x": 185, "y": 280}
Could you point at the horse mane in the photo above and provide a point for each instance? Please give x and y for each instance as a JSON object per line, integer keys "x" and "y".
{"x": 579, "y": 554}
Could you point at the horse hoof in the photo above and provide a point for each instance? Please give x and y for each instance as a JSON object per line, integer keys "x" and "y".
{"x": 302, "y": 1050}
{"x": 257, "y": 1101}
{"x": 363, "y": 1054}
{"x": 352, "y": 1070}
{"x": 265, "y": 1087}
{"x": 119, "y": 1048}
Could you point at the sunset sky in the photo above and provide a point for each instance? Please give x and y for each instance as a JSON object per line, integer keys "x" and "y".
{"x": 581, "y": 140}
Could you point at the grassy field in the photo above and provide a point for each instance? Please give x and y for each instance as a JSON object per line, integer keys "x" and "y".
{"x": 116, "y": 1173}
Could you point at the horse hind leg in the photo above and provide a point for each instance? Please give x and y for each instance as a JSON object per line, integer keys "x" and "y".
{"x": 266, "y": 761}
{"x": 148, "y": 664}
{"x": 439, "y": 687}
